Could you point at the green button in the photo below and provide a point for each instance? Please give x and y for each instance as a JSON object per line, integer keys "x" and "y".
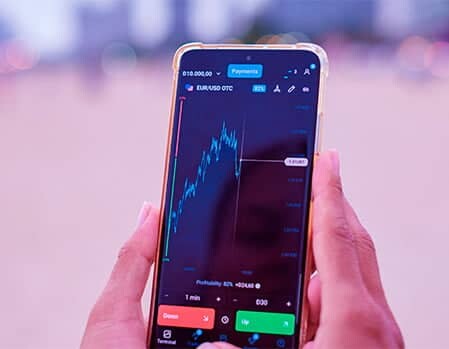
{"x": 263, "y": 322}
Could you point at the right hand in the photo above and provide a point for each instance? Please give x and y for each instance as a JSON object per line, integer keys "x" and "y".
{"x": 348, "y": 307}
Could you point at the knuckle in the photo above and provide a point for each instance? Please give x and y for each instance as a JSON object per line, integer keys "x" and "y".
{"x": 130, "y": 255}
{"x": 102, "y": 310}
{"x": 335, "y": 186}
{"x": 332, "y": 188}
{"x": 365, "y": 241}
{"x": 341, "y": 230}
{"x": 126, "y": 252}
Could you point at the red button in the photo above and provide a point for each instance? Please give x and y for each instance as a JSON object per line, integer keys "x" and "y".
{"x": 190, "y": 317}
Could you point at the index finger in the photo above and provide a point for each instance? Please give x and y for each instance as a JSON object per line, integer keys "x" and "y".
{"x": 333, "y": 244}
{"x": 366, "y": 251}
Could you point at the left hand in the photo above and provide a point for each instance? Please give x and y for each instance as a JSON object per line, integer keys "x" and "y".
{"x": 116, "y": 320}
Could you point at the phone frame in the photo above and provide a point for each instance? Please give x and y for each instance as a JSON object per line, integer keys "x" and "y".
{"x": 324, "y": 71}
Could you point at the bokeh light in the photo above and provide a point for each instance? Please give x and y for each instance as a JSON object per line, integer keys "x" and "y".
{"x": 412, "y": 53}
{"x": 437, "y": 59}
{"x": 118, "y": 59}
{"x": 15, "y": 56}
{"x": 76, "y": 76}
{"x": 283, "y": 38}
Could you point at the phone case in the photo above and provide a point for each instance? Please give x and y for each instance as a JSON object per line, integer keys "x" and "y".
{"x": 319, "y": 51}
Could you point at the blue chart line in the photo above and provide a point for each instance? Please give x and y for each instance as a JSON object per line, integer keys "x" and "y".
{"x": 226, "y": 140}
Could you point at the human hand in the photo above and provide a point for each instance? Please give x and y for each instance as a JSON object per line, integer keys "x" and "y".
{"x": 348, "y": 307}
{"x": 116, "y": 321}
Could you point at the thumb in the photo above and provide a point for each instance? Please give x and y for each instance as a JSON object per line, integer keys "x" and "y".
{"x": 333, "y": 246}
{"x": 130, "y": 274}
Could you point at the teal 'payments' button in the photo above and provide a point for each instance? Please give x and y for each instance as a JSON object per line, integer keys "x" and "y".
{"x": 264, "y": 322}
{"x": 243, "y": 71}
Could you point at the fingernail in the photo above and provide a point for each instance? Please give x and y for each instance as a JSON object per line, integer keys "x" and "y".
{"x": 144, "y": 211}
{"x": 207, "y": 345}
{"x": 335, "y": 159}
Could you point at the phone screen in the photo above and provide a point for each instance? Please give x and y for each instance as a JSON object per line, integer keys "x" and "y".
{"x": 235, "y": 214}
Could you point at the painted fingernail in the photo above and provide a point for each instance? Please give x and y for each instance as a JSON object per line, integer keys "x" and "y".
{"x": 207, "y": 345}
{"x": 144, "y": 211}
{"x": 335, "y": 159}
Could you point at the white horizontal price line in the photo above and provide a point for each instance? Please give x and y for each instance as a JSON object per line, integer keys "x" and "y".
{"x": 260, "y": 160}
{"x": 290, "y": 162}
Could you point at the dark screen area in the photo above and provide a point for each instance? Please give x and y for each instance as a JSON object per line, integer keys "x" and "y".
{"x": 237, "y": 193}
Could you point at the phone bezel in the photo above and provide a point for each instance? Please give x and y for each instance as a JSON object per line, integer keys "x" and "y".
{"x": 324, "y": 63}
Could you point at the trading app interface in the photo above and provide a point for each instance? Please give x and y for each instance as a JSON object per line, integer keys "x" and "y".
{"x": 236, "y": 199}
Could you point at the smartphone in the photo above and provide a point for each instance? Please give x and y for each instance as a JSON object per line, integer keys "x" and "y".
{"x": 233, "y": 258}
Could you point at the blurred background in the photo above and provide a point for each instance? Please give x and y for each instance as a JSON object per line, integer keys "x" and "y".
{"x": 84, "y": 107}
